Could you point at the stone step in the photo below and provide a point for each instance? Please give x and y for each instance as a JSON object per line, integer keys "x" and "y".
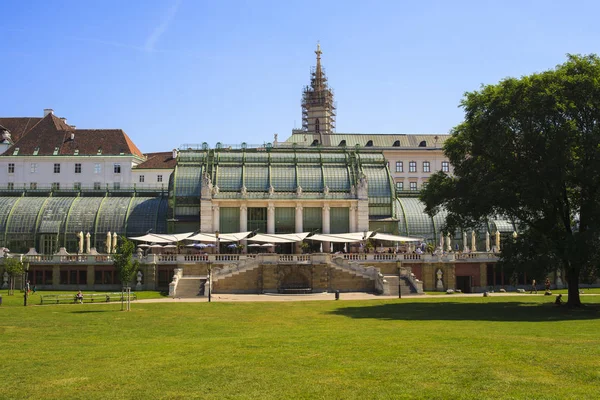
{"x": 188, "y": 287}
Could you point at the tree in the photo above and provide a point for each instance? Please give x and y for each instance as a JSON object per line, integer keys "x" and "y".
{"x": 529, "y": 150}
{"x": 13, "y": 267}
{"x": 123, "y": 261}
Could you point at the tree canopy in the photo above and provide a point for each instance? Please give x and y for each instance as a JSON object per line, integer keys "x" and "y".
{"x": 123, "y": 261}
{"x": 529, "y": 150}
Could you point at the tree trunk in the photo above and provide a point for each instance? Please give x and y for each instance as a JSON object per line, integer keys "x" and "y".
{"x": 573, "y": 282}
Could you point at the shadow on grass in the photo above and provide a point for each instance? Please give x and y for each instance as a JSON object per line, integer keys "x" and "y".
{"x": 450, "y": 311}
{"x": 91, "y": 311}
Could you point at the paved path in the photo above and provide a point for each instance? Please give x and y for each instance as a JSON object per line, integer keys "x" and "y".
{"x": 323, "y": 296}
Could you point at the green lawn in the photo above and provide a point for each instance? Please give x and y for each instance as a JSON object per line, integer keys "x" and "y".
{"x": 436, "y": 348}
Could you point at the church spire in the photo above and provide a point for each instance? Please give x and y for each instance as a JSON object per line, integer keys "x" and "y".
{"x": 318, "y": 109}
{"x": 317, "y": 82}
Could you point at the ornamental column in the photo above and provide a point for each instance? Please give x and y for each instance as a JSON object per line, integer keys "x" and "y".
{"x": 352, "y": 218}
{"x": 244, "y": 225}
{"x": 326, "y": 226}
{"x": 299, "y": 225}
{"x": 216, "y": 218}
{"x": 270, "y": 218}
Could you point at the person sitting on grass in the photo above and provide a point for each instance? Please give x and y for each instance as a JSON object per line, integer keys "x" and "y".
{"x": 558, "y": 301}
{"x": 79, "y": 297}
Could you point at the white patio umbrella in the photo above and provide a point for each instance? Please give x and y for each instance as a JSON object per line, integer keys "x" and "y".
{"x": 80, "y": 237}
{"x": 114, "y": 242}
{"x": 108, "y": 241}
{"x": 267, "y": 245}
{"x": 169, "y": 246}
{"x": 143, "y": 245}
{"x": 87, "y": 242}
{"x": 497, "y": 241}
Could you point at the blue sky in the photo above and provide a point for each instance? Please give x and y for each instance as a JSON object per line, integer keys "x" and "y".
{"x": 171, "y": 72}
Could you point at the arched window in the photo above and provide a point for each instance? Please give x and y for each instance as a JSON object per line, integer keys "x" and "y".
{"x": 423, "y": 144}
{"x": 369, "y": 143}
{"x": 342, "y": 143}
{"x": 396, "y": 143}
{"x": 317, "y": 127}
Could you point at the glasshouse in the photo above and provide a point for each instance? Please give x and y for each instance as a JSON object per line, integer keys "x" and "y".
{"x": 369, "y": 239}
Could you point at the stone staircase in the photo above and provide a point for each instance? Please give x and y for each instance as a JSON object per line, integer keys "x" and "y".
{"x": 235, "y": 269}
{"x": 356, "y": 269}
{"x": 395, "y": 283}
{"x": 188, "y": 287}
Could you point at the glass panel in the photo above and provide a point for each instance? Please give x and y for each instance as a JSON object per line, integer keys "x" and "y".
{"x": 83, "y": 215}
{"x": 188, "y": 181}
{"x": 143, "y": 213}
{"x": 229, "y": 219}
{"x": 229, "y": 178}
{"x": 337, "y": 178}
{"x": 283, "y": 178}
{"x": 257, "y": 178}
{"x": 310, "y": 178}
{"x": 54, "y": 214}
{"x": 339, "y": 219}
{"x": 111, "y": 219}
{"x": 418, "y": 222}
{"x": 285, "y": 220}
{"x": 312, "y": 219}
{"x": 257, "y": 219}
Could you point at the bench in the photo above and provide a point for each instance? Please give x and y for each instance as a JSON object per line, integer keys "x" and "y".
{"x": 87, "y": 298}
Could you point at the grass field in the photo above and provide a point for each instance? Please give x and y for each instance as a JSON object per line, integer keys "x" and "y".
{"x": 435, "y": 348}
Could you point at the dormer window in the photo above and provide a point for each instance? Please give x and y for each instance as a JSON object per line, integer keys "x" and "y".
{"x": 423, "y": 143}
{"x": 36, "y": 151}
{"x": 369, "y": 143}
{"x": 99, "y": 151}
{"x": 16, "y": 151}
{"x": 396, "y": 143}
{"x": 76, "y": 152}
{"x": 342, "y": 143}
{"x": 55, "y": 153}
{"x": 315, "y": 142}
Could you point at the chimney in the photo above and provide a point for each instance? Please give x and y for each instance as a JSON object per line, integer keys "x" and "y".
{"x": 174, "y": 154}
{"x": 48, "y": 111}
{"x": 64, "y": 120}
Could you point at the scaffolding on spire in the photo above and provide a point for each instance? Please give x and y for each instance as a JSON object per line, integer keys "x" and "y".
{"x": 318, "y": 107}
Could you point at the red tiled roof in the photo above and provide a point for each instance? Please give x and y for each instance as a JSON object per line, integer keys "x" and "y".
{"x": 163, "y": 160}
{"x": 19, "y": 126}
{"x": 52, "y": 133}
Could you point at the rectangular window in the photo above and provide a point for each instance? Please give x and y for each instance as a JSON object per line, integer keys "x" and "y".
{"x": 423, "y": 185}
{"x": 426, "y": 166}
{"x": 11, "y": 168}
{"x": 116, "y": 185}
{"x": 445, "y": 166}
{"x": 97, "y": 168}
{"x": 34, "y": 168}
{"x": 33, "y": 185}
{"x": 97, "y": 186}
{"x": 57, "y": 168}
{"x": 141, "y": 178}
{"x": 399, "y": 186}
{"x": 413, "y": 186}
{"x": 77, "y": 185}
{"x": 77, "y": 168}
{"x": 117, "y": 168}
{"x": 159, "y": 178}
{"x": 399, "y": 166}
{"x": 11, "y": 185}
{"x": 412, "y": 166}
{"x": 55, "y": 186}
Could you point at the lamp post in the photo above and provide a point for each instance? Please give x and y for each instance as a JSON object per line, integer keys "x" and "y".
{"x": 25, "y": 284}
{"x": 209, "y": 279}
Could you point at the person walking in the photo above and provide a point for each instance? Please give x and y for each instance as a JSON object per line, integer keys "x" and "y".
{"x": 533, "y": 287}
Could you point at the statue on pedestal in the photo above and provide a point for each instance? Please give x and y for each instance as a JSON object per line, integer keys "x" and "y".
{"x": 138, "y": 285}
{"x": 439, "y": 286}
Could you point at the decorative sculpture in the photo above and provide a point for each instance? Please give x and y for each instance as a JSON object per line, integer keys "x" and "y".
{"x": 108, "y": 242}
{"x": 465, "y": 245}
{"x": 114, "y": 242}
{"x": 448, "y": 243}
{"x": 497, "y": 241}
{"x": 473, "y": 242}
{"x": 487, "y": 241}
{"x": 439, "y": 286}
{"x": 138, "y": 285}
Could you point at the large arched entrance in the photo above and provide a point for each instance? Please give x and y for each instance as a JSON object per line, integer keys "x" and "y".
{"x": 295, "y": 281}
